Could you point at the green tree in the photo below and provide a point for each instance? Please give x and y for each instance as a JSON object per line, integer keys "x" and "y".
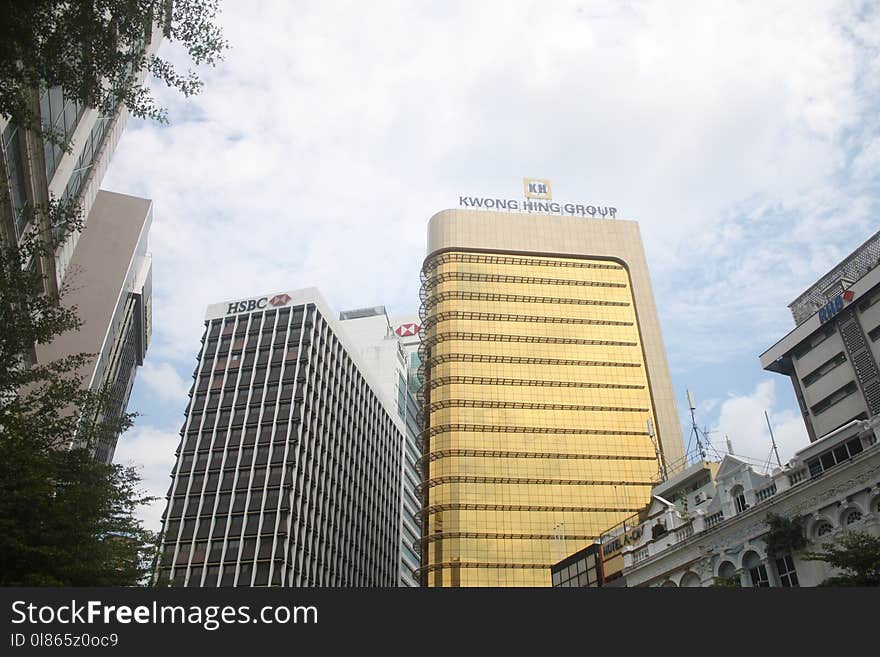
{"x": 65, "y": 519}
{"x": 726, "y": 582}
{"x": 856, "y": 554}
{"x": 786, "y": 535}
{"x": 94, "y": 50}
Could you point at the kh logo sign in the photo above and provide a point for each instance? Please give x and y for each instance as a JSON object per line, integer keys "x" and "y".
{"x": 537, "y": 188}
{"x": 405, "y": 330}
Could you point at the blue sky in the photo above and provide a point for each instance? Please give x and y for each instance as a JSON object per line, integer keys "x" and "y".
{"x": 743, "y": 137}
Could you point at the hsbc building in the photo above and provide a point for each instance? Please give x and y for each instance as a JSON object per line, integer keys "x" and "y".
{"x": 288, "y": 471}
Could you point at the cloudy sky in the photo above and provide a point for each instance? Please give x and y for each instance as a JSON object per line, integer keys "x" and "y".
{"x": 743, "y": 137}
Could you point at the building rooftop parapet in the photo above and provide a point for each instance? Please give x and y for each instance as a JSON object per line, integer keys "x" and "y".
{"x": 850, "y": 269}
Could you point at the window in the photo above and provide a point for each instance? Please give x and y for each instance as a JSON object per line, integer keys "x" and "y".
{"x": 824, "y": 369}
{"x": 739, "y": 499}
{"x": 787, "y": 573}
{"x": 868, "y": 302}
{"x": 823, "y": 528}
{"x": 834, "y": 457}
{"x": 852, "y": 517}
{"x": 759, "y": 576}
{"x": 183, "y": 553}
{"x": 814, "y": 341}
{"x": 838, "y": 395}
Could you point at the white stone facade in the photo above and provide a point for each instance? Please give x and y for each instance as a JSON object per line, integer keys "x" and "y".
{"x": 832, "y": 486}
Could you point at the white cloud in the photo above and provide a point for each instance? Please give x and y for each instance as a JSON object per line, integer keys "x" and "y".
{"x": 319, "y": 149}
{"x": 742, "y": 137}
{"x": 164, "y": 382}
{"x": 742, "y": 420}
{"x": 152, "y": 451}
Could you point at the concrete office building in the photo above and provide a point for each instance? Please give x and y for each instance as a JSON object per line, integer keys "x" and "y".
{"x": 37, "y": 171}
{"x": 386, "y": 347}
{"x": 549, "y": 410}
{"x": 289, "y": 466}
{"x": 832, "y": 354}
{"x": 111, "y": 266}
{"x": 110, "y": 282}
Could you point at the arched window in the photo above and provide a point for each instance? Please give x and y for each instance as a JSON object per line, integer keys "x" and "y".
{"x": 690, "y": 580}
{"x": 851, "y": 517}
{"x": 739, "y": 499}
{"x": 726, "y": 569}
{"x": 823, "y": 528}
{"x": 757, "y": 570}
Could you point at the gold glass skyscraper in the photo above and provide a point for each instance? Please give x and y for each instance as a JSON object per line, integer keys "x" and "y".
{"x": 549, "y": 411}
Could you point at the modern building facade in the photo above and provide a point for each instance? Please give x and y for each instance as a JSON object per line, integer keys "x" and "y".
{"x": 833, "y": 354}
{"x": 386, "y": 347}
{"x": 104, "y": 271}
{"x": 36, "y": 171}
{"x": 831, "y": 486}
{"x": 289, "y": 466}
{"x": 583, "y": 569}
{"x": 547, "y": 399}
{"x": 109, "y": 281}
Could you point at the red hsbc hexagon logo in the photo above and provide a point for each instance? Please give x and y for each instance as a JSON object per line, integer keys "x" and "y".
{"x": 279, "y": 299}
{"x": 407, "y": 329}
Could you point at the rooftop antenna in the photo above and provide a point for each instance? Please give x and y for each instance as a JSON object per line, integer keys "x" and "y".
{"x": 773, "y": 440}
{"x": 694, "y": 428}
{"x": 729, "y": 444}
{"x": 660, "y": 462}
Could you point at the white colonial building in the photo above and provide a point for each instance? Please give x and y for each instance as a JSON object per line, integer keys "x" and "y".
{"x": 699, "y": 528}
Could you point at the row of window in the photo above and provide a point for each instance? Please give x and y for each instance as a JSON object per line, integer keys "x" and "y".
{"x": 213, "y": 575}
{"x": 225, "y": 502}
{"x": 823, "y": 369}
{"x": 815, "y": 340}
{"x": 238, "y": 524}
{"x": 240, "y": 328}
{"x": 12, "y": 145}
{"x": 785, "y": 569}
{"x": 835, "y": 397}
{"x": 250, "y": 436}
{"x": 834, "y": 457}
{"x": 61, "y": 115}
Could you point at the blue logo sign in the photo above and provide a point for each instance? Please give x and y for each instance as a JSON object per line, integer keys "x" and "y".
{"x": 830, "y": 309}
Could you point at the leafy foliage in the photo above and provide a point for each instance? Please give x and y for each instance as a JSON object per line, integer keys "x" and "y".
{"x": 857, "y": 554}
{"x": 726, "y": 582}
{"x": 786, "y": 535}
{"x": 65, "y": 518}
{"x": 94, "y": 50}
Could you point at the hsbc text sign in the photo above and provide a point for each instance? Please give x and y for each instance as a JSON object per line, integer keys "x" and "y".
{"x": 249, "y": 305}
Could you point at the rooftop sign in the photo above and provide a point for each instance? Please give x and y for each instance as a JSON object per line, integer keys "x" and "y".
{"x": 834, "y": 306}
{"x": 538, "y": 194}
{"x": 249, "y": 305}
